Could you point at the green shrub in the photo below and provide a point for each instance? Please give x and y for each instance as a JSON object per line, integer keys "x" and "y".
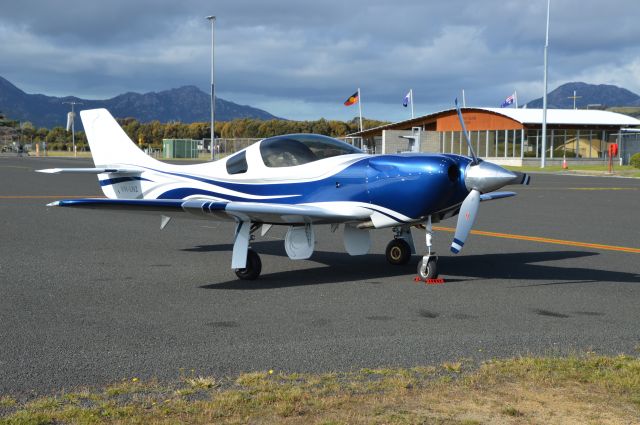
{"x": 635, "y": 160}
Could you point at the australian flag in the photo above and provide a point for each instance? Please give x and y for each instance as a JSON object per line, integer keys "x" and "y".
{"x": 508, "y": 101}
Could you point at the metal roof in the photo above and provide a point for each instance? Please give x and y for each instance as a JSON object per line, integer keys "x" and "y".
{"x": 566, "y": 116}
{"x": 592, "y": 117}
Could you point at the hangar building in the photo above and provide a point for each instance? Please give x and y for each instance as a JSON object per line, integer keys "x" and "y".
{"x": 506, "y": 135}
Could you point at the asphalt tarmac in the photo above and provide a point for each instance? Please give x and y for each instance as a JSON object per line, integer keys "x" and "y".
{"x": 91, "y": 297}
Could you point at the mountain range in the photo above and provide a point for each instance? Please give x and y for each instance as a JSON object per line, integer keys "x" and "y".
{"x": 587, "y": 94}
{"x": 185, "y": 104}
{"x": 190, "y": 104}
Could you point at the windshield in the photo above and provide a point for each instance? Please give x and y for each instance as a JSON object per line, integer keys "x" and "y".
{"x": 298, "y": 149}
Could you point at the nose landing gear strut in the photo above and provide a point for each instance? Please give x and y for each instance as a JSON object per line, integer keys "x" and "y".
{"x": 428, "y": 265}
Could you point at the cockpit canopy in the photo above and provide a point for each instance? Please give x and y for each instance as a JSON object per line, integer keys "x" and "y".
{"x": 298, "y": 149}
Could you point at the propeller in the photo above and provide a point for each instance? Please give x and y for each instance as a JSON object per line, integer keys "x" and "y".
{"x": 466, "y": 217}
{"x": 480, "y": 177}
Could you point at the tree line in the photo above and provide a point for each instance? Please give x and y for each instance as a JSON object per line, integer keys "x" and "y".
{"x": 150, "y": 134}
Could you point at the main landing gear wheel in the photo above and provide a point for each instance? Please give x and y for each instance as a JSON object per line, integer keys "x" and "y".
{"x": 431, "y": 269}
{"x": 398, "y": 252}
{"x": 253, "y": 269}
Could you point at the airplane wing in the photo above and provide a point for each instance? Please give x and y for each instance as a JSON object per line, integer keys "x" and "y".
{"x": 90, "y": 170}
{"x": 226, "y": 211}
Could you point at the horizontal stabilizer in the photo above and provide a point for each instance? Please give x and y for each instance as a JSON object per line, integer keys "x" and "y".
{"x": 150, "y": 205}
{"x": 496, "y": 195}
{"x": 90, "y": 170}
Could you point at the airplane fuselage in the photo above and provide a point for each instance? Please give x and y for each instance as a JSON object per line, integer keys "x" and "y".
{"x": 397, "y": 189}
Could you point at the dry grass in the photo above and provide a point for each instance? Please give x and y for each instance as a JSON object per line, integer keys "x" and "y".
{"x": 62, "y": 154}
{"x": 585, "y": 389}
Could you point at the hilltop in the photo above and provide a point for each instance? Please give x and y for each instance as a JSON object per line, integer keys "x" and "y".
{"x": 185, "y": 104}
{"x": 590, "y": 94}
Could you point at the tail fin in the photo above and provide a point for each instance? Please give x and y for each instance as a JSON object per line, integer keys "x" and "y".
{"x": 109, "y": 144}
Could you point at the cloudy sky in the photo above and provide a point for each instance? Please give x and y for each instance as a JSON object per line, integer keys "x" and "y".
{"x": 301, "y": 59}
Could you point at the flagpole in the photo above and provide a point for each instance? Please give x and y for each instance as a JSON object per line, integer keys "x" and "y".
{"x": 360, "y": 107}
{"x": 411, "y": 95}
{"x": 544, "y": 97}
{"x": 515, "y": 94}
{"x": 464, "y": 101}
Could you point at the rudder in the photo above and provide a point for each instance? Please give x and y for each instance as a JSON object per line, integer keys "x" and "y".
{"x": 109, "y": 144}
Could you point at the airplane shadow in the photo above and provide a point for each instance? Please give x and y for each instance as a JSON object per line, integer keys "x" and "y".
{"x": 528, "y": 266}
{"x": 339, "y": 267}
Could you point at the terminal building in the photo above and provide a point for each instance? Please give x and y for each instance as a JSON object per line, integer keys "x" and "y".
{"x": 510, "y": 136}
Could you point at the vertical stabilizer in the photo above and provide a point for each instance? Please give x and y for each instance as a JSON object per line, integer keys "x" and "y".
{"x": 109, "y": 144}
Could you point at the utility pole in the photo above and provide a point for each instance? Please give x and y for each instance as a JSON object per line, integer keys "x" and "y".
{"x": 212, "y": 19}
{"x": 574, "y": 97}
{"x": 71, "y": 119}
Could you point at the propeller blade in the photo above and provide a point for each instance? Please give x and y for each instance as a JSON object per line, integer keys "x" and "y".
{"x": 521, "y": 178}
{"x": 466, "y": 135}
{"x": 466, "y": 217}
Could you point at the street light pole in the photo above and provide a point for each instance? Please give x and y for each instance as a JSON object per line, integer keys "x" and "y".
{"x": 212, "y": 19}
{"x": 544, "y": 97}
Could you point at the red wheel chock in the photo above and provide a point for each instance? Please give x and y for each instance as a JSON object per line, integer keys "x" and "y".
{"x": 438, "y": 281}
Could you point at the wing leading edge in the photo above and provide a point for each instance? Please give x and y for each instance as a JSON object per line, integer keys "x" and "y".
{"x": 113, "y": 170}
{"x": 239, "y": 211}
{"x": 242, "y": 211}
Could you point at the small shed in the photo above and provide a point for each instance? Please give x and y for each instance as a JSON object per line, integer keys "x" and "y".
{"x": 179, "y": 148}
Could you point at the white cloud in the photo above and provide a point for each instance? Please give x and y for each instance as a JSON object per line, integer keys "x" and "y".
{"x": 625, "y": 75}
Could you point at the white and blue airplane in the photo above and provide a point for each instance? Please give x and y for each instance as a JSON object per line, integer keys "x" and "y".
{"x": 298, "y": 181}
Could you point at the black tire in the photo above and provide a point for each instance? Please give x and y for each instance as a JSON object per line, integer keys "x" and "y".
{"x": 253, "y": 269}
{"x": 431, "y": 272}
{"x": 398, "y": 252}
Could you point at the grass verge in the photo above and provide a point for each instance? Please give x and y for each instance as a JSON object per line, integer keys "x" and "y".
{"x": 62, "y": 154}
{"x": 596, "y": 170}
{"x": 578, "y": 389}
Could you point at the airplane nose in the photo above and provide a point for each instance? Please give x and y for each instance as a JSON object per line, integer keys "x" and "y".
{"x": 487, "y": 177}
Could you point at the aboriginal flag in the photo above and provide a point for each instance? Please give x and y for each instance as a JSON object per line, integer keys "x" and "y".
{"x": 352, "y": 99}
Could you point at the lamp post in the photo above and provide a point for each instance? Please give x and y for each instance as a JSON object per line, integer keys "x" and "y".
{"x": 212, "y": 19}
{"x": 544, "y": 97}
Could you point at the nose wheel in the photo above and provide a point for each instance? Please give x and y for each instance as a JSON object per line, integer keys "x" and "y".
{"x": 428, "y": 267}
